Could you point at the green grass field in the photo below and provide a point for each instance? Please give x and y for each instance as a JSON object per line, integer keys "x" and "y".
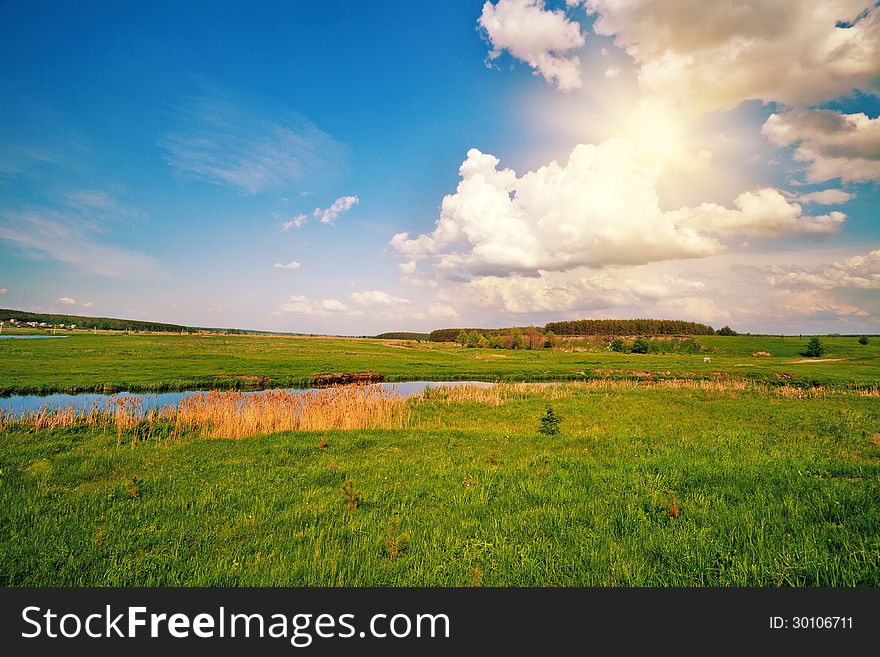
{"x": 770, "y": 492}
{"x": 144, "y": 362}
{"x": 644, "y": 485}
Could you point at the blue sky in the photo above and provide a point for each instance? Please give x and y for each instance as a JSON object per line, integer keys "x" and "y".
{"x": 499, "y": 163}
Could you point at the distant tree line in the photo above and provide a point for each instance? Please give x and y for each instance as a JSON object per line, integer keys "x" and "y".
{"x": 101, "y": 323}
{"x": 401, "y": 335}
{"x": 629, "y": 327}
{"x": 582, "y": 327}
{"x": 527, "y": 337}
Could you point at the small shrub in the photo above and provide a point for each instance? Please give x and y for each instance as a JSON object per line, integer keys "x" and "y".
{"x": 397, "y": 542}
{"x": 550, "y": 423}
{"x": 640, "y": 346}
{"x": 815, "y": 348}
{"x": 618, "y": 345}
{"x": 863, "y": 339}
{"x": 352, "y": 496}
{"x": 133, "y": 487}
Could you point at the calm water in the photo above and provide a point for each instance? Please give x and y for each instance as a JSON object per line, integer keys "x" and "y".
{"x": 29, "y": 337}
{"x": 18, "y": 404}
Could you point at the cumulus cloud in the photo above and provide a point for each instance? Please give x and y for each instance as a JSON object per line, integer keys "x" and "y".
{"x": 89, "y": 304}
{"x": 3, "y": 290}
{"x": 535, "y": 35}
{"x": 600, "y": 208}
{"x": 67, "y": 301}
{"x": 816, "y": 305}
{"x": 763, "y": 213}
{"x": 833, "y": 144}
{"x": 859, "y": 272}
{"x": 826, "y": 197}
{"x": 717, "y": 54}
{"x": 296, "y": 222}
{"x": 442, "y": 311}
{"x": 612, "y": 72}
{"x": 293, "y": 264}
{"x": 340, "y": 205}
{"x": 577, "y": 290}
{"x": 371, "y": 298}
{"x": 301, "y": 305}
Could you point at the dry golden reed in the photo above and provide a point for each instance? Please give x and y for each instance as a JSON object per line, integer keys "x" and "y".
{"x": 237, "y": 414}
{"x": 233, "y": 414}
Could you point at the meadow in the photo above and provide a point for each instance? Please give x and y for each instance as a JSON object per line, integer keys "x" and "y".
{"x": 85, "y": 362}
{"x": 765, "y": 475}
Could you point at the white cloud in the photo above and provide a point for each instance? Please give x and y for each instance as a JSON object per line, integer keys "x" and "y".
{"x": 296, "y": 222}
{"x": 3, "y": 290}
{"x": 600, "y": 208}
{"x": 442, "y": 311}
{"x": 827, "y": 197}
{"x": 301, "y": 305}
{"x": 89, "y": 304}
{"x": 763, "y": 213}
{"x": 835, "y": 145}
{"x": 536, "y": 36}
{"x": 370, "y": 298}
{"x": 580, "y": 289}
{"x": 814, "y": 304}
{"x": 859, "y": 272}
{"x": 717, "y": 54}
{"x": 340, "y": 205}
{"x": 293, "y": 264}
{"x": 612, "y": 72}
{"x": 67, "y": 301}
{"x": 220, "y": 142}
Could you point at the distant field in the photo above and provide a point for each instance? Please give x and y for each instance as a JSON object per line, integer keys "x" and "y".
{"x": 643, "y": 486}
{"x": 87, "y": 362}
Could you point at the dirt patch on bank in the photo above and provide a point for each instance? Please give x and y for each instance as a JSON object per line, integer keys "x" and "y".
{"x": 818, "y": 360}
{"x": 344, "y": 378}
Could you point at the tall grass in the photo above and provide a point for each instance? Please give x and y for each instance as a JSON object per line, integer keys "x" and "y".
{"x": 232, "y": 414}
{"x": 236, "y": 414}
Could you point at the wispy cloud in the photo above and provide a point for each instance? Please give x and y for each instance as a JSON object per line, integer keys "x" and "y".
{"x": 67, "y": 301}
{"x": 62, "y": 241}
{"x": 220, "y": 142}
{"x": 97, "y": 201}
